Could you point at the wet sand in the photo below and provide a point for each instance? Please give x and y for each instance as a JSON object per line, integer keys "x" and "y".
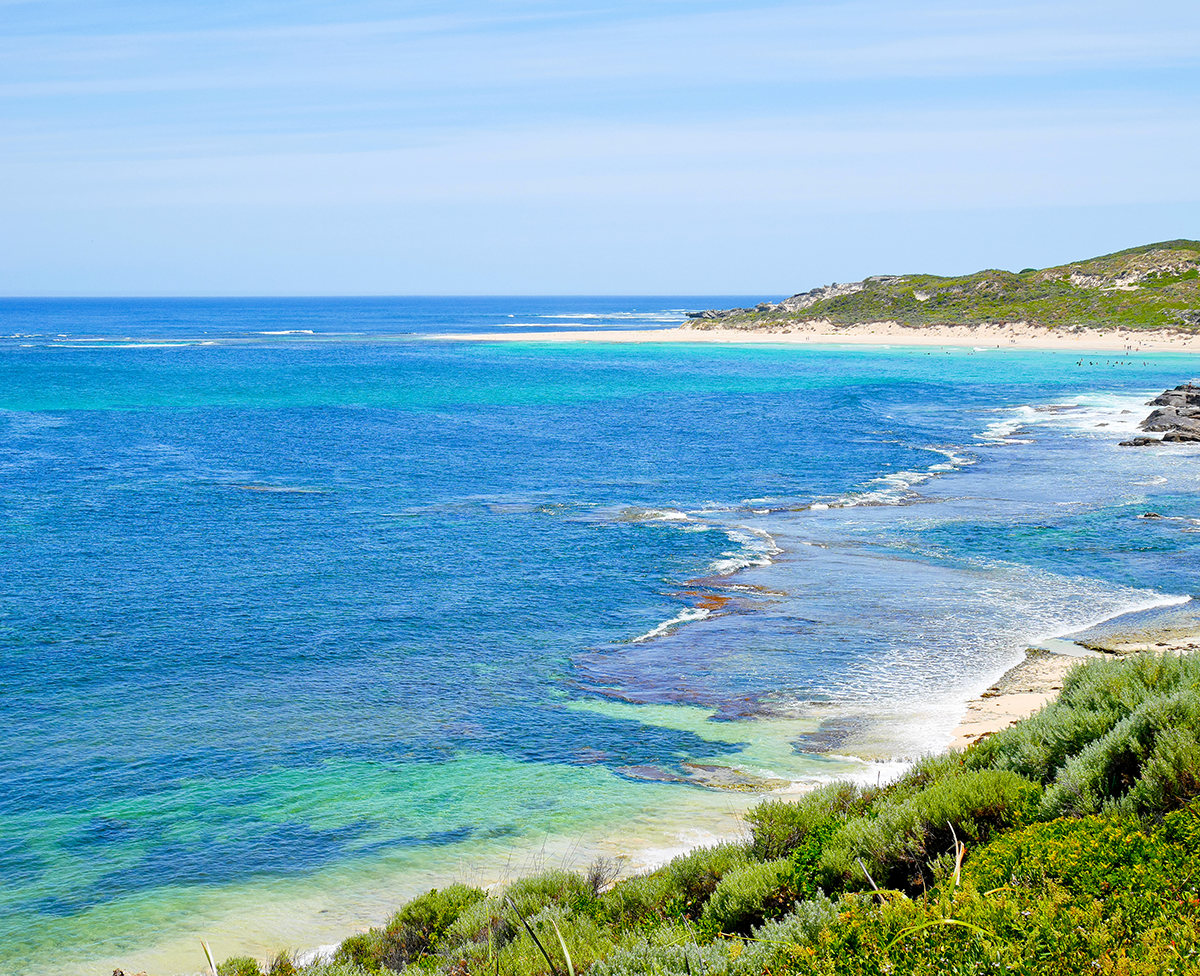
{"x": 1036, "y": 681}
{"x": 1021, "y": 691}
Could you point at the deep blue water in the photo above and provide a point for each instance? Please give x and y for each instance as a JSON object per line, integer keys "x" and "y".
{"x": 279, "y": 605}
{"x": 342, "y": 318}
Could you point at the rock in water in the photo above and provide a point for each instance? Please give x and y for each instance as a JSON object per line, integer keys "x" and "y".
{"x": 1177, "y": 416}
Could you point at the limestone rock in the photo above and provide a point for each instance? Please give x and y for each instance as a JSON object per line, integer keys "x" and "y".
{"x": 1177, "y": 416}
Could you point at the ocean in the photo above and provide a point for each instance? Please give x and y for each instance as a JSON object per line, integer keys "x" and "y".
{"x": 305, "y": 610}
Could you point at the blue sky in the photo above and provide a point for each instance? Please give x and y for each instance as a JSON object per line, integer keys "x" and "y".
{"x": 610, "y": 148}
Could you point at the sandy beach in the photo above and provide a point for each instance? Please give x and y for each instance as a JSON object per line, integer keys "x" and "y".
{"x": 1036, "y": 681}
{"x": 1021, "y": 691}
{"x": 1016, "y": 336}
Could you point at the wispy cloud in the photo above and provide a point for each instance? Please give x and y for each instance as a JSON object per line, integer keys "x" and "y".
{"x": 909, "y": 163}
{"x": 797, "y": 43}
{"x": 645, "y": 110}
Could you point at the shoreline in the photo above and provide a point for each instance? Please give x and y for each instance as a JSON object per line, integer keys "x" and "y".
{"x": 1023, "y": 689}
{"x": 648, "y": 842}
{"x": 982, "y": 337}
{"x": 1035, "y": 681}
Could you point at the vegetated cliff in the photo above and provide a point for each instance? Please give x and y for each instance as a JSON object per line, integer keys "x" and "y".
{"x": 1155, "y": 286}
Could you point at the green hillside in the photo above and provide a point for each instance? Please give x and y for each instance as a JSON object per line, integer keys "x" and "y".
{"x": 1150, "y": 287}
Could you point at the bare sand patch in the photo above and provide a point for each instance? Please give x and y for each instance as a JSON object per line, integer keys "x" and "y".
{"x": 1021, "y": 691}
{"x": 984, "y": 337}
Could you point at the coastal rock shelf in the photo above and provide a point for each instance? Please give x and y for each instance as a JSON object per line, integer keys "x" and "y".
{"x": 1177, "y": 418}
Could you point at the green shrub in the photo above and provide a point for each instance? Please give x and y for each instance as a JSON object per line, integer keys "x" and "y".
{"x": 807, "y": 920}
{"x": 781, "y": 826}
{"x": 282, "y": 965}
{"x": 924, "y": 772}
{"x": 1147, "y": 763}
{"x": 332, "y": 969}
{"x": 905, "y": 844}
{"x": 1181, "y": 828}
{"x": 638, "y": 899}
{"x": 777, "y": 827}
{"x": 364, "y": 951}
{"x": 694, "y": 876}
{"x": 435, "y": 911}
{"x": 678, "y": 889}
{"x": 420, "y": 924}
{"x": 1171, "y": 774}
{"x": 586, "y": 942}
{"x": 674, "y": 951}
{"x": 1136, "y": 870}
{"x": 667, "y": 951}
{"x": 774, "y": 948}
{"x": 1092, "y": 856}
{"x": 807, "y": 876}
{"x": 517, "y": 952}
{"x": 749, "y": 895}
{"x": 1096, "y": 696}
{"x": 239, "y": 966}
{"x": 486, "y": 922}
{"x": 530, "y": 895}
{"x": 1046, "y": 931}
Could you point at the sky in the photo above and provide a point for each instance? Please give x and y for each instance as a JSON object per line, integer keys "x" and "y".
{"x": 160, "y": 147}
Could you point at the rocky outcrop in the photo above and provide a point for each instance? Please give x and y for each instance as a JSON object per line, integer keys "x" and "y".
{"x": 1178, "y": 412}
{"x": 1177, "y": 418}
{"x": 799, "y": 301}
{"x": 806, "y": 299}
{"x": 1130, "y": 273}
{"x": 1184, "y": 395}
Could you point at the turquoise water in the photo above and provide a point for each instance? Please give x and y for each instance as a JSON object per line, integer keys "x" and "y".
{"x": 293, "y": 624}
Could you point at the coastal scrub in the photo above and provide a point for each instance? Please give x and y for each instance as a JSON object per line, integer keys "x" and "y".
{"x": 1154, "y": 286}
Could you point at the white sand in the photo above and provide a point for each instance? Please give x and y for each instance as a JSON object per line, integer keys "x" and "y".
{"x": 1016, "y": 336}
{"x": 1023, "y": 690}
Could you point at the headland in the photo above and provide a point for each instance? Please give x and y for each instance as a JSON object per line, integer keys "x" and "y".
{"x": 1142, "y": 299}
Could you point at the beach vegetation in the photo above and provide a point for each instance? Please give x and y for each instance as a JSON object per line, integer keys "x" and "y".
{"x": 528, "y": 896}
{"x": 411, "y": 933}
{"x": 780, "y": 827}
{"x": 695, "y": 876}
{"x": 1064, "y": 844}
{"x": 239, "y": 966}
{"x": 748, "y": 896}
{"x": 363, "y": 950}
{"x": 1147, "y": 763}
{"x": 1123, "y": 734}
{"x": 638, "y": 900}
{"x": 332, "y": 969}
{"x": 912, "y": 843}
{"x": 1153, "y": 286}
{"x": 282, "y": 964}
